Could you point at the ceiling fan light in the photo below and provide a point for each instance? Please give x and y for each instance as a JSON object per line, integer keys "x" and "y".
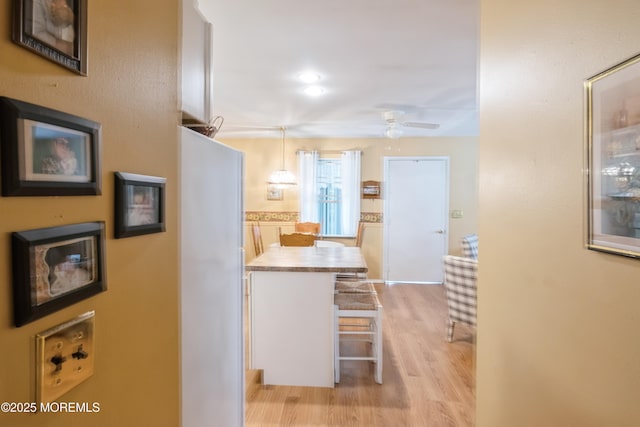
{"x": 393, "y": 132}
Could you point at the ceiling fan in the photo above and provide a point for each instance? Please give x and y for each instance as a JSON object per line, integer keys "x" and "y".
{"x": 395, "y": 124}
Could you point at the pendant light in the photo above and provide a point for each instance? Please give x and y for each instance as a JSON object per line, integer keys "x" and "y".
{"x": 282, "y": 178}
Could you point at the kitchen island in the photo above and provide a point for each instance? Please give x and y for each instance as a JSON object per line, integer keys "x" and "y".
{"x": 291, "y": 312}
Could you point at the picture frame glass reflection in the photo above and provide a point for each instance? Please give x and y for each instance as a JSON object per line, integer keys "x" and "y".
{"x": 62, "y": 267}
{"x": 143, "y": 205}
{"x": 54, "y": 153}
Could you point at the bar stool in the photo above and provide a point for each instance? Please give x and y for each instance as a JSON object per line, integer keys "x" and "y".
{"x": 365, "y": 310}
{"x": 354, "y": 287}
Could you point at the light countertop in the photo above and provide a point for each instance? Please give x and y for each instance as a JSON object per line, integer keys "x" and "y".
{"x": 310, "y": 259}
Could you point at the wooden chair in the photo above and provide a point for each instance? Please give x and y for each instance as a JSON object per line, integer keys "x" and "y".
{"x": 256, "y": 234}
{"x": 308, "y": 227}
{"x": 360, "y": 234}
{"x": 297, "y": 239}
{"x": 358, "y": 317}
{"x": 460, "y": 282}
{"x": 359, "y": 237}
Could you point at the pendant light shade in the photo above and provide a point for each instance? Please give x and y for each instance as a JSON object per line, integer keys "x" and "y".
{"x": 282, "y": 178}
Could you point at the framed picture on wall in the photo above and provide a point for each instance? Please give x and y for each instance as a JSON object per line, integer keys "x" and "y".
{"x": 54, "y": 29}
{"x": 47, "y": 152}
{"x": 139, "y": 204}
{"x": 613, "y": 159}
{"x": 274, "y": 192}
{"x": 56, "y": 267}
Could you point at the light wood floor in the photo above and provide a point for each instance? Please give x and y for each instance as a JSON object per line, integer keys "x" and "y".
{"x": 427, "y": 381}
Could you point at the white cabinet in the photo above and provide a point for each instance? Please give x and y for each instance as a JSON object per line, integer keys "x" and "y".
{"x": 197, "y": 74}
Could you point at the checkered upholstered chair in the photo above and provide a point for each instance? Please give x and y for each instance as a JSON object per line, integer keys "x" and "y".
{"x": 470, "y": 246}
{"x": 460, "y": 278}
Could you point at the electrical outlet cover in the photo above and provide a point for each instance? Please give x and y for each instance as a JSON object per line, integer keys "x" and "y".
{"x": 64, "y": 357}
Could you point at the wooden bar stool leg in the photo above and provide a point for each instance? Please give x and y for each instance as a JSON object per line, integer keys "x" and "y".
{"x": 336, "y": 344}
{"x": 378, "y": 350}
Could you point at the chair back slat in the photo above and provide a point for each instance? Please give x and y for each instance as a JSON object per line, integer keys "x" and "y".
{"x": 360, "y": 234}
{"x": 297, "y": 239}
{"x": 307, "y": 227}
{"x": 256, "y": 234}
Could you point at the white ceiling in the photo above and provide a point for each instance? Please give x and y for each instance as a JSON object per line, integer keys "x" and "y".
{"x": 417, "y": 56}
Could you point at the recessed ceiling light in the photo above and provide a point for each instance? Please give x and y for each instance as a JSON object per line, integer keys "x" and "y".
{"x": 308, "y": 77}
{"x": 314, "y": 91}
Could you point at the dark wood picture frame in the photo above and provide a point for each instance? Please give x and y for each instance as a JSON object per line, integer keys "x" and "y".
{"x": 56, "y": 30}
{"x": 139, "y": 204}
{"x": 56, "y": 267}
{"x": 47, "y": 152}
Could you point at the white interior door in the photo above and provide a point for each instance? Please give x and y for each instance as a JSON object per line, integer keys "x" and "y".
{"x": 416, "y": 200}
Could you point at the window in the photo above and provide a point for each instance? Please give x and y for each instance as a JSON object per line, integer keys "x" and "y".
{"x": 330, "y": 191}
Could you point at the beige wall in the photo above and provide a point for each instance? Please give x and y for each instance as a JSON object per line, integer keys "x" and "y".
{"x": 132, "y": 90}
{"x": 558, "y": 324}
{"x": 265, "y": 155}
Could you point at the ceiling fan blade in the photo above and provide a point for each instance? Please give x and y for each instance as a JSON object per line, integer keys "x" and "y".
{"x": 389, "y": 106}
{"x": 421, "y": 125}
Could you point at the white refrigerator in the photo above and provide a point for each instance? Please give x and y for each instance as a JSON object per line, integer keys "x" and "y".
{"x": 212, "y": 264}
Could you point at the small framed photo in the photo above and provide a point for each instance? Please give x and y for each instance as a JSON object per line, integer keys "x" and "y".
{"x": 47, "y": 152}
{"x": 274, "y": 192}
{"x": 56, "y": 267}
{"x": 371, "y": 189}
{"x": 54, "y": 29}
{"x": 613, "y": 159}
{"x": 139, "y": 204}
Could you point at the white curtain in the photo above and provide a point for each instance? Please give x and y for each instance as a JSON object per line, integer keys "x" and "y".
{"x": 307, "y": 181}
{"x": 350, "y": 192}
{"x": 308, "y": 189}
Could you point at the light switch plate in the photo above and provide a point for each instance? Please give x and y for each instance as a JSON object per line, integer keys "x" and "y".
{"x": 64, "y": 357}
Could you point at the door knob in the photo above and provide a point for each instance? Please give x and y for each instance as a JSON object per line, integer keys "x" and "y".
{"x": 440, "y": 231}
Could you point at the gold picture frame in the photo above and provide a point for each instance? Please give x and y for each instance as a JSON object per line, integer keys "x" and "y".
{"x": 613, "y": 159}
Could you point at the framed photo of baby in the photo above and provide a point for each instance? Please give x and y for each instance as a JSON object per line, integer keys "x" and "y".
{"x": 47, "y": 152}
{"x": 55, "y": 267}
{"x": 139, "y": 204}
{"x": 54, "y": 29}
